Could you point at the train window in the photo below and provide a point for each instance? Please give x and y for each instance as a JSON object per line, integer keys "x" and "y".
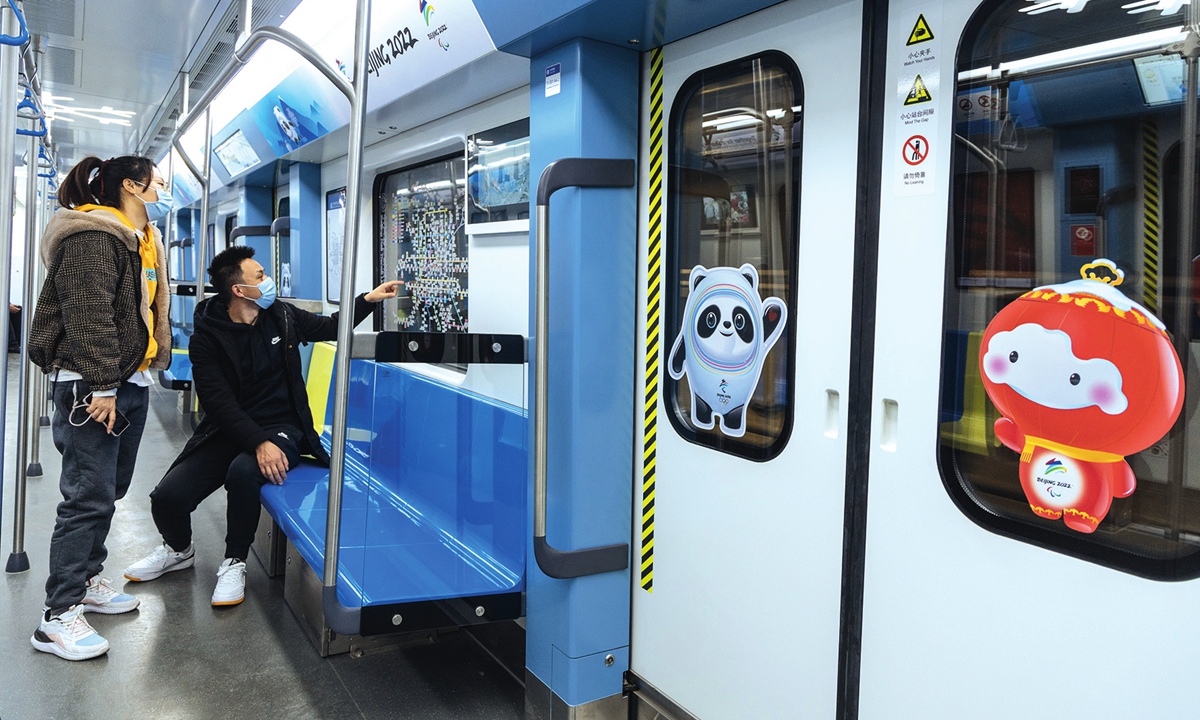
{"x": 733, "y": 199}
{"x": 498, "y": 173}
{"x": 1070, "y": 293}
{"x": 420, "y": 239}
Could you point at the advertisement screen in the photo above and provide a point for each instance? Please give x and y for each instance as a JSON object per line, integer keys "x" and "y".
{"x": 1161, "y": 78}
{"x": 236, "y": 154}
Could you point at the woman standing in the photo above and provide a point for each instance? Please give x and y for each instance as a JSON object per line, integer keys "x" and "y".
{"x": 102, "y": 322}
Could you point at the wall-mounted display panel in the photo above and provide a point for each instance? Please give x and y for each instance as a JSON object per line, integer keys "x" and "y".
{"x": 335, "y": 233}
{"x": 421, "y": 239}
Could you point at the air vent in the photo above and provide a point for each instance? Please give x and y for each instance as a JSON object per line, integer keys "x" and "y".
{"x": 59, "y": 66}
{"x": 220, "y": 54}
{"x": 51, "y": 17}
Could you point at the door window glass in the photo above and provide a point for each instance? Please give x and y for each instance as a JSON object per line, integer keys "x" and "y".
{"x": 1070, "y": 295}
{"x": 733, "y": 189}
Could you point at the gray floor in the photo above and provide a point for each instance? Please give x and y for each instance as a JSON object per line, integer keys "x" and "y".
{"x": 178, "y": 657}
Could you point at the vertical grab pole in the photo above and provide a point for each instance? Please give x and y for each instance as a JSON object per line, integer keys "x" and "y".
{"x": 41, "y": 397}
{"x": 201, "y": 236}
{"x": 33, "y": 243}
{"x": 341, "y": 619}
{"x": 18, "y": 560}
{"x": 9, "y": 60}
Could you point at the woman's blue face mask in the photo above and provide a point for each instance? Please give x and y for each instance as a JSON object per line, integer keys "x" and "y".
{"x": 158, "y": 209}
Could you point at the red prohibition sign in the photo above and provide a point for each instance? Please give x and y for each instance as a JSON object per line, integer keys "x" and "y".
{"x": 916, "y": 149}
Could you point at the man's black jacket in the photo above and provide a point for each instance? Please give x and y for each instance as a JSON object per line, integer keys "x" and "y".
{"x": 217, "y": 373}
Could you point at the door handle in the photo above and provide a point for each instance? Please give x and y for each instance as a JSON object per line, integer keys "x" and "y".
{"x": 564, "y": 173}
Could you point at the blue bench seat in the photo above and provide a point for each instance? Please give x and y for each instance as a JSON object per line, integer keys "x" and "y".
{"x": 179, "y": 375}
{"x": 433, "y": 502}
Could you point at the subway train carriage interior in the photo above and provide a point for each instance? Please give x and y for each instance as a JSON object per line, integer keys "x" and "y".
{"x": 600, "y": 359}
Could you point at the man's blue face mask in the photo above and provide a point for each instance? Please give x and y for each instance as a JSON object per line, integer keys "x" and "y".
{"x": 267, "y": 290}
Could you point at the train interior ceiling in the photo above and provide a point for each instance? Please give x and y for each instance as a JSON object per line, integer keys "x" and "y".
{"x": 687, "y": 405}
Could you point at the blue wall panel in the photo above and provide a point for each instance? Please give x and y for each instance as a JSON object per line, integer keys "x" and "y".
{"x": 303, "y": 248}
{"x": 593, "y": 271}
{"x": 254, "y": 208}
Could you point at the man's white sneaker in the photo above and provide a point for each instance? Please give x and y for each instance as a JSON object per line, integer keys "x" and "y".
{"x": 102, "y": 598}
{"x": 69, "y": 636}
{"x": 231, "y": 583}
{"x": 162, "y": 560}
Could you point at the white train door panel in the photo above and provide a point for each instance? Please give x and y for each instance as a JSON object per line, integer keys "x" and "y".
{"x": 1023, "y": 568}
{"x": 736, "y": 611}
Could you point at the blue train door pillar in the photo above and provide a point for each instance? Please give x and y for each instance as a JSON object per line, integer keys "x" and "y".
{"x": 301, "y": 261}
{"x": 254, "y": 208}
{"x": 584, "y": 104}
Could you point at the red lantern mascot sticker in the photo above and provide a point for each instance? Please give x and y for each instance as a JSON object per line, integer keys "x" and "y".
{"x": 1083, "y": 376}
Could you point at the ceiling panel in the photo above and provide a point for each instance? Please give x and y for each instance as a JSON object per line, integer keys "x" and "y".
{"x": 124, "y": 54}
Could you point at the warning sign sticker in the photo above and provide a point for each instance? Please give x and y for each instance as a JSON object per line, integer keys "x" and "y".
{"x": 921, "y": 32}
{"x": 916, "y": 58}
{"x": 919, "y": 93}
{"x": 916, "y": 149}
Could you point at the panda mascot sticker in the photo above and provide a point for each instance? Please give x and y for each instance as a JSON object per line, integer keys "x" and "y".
{"x": 1082, "y": 376}
{"x": 723, "y": 343}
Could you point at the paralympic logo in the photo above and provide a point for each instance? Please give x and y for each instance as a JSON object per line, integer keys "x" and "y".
{"x": 427, "y": 11}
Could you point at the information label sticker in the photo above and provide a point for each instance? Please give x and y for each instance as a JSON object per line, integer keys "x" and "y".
{"x": 916, "y": 54}
{"x": 553, "y": 79}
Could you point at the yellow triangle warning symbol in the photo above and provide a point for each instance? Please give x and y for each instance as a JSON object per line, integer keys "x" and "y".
{"x": 921, "y": 32}
{"x": 918, "y": 94}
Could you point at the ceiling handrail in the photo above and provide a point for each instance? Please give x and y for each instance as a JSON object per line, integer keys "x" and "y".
{"x": 23, "y": 36}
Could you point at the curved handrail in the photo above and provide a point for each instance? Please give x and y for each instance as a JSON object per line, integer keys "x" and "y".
{"x": 35, "y": 133}
{"x": 23, "y": 37}
{"x": 563, "y": 173}
{"x": 27, "y": 103}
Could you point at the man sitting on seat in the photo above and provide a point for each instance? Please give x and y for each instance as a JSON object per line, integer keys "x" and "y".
{"x": 246, "y": 366}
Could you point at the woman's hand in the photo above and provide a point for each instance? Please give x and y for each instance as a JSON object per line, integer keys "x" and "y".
{"x": 386, "y": 291}
{"x": 103, "y": 410}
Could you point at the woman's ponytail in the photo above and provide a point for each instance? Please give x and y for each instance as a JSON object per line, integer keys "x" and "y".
{"x": 99, "y": 181}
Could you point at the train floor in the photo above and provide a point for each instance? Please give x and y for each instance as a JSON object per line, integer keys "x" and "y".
{"x": 179, "y": 657}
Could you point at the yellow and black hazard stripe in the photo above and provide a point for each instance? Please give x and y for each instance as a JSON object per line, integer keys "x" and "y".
{"x": 1150, "y": 215}
{"x": 653, "y": 285}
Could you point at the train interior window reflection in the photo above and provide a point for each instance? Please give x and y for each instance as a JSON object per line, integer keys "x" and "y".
{"x": 498, "y": 173}
{"x": 1083, "y": 185}
{"x": 733, "y": 199}
{"x": 1062, "y": 376}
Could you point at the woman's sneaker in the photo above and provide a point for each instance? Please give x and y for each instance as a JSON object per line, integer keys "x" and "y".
{"x": 102, "y": 598}
{"x": 69, "y": 636}
{"x": 162, "y": 560}
{"x": 231, "y": 583}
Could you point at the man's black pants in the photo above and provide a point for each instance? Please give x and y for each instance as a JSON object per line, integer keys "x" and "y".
{"x": 215, "y": 463}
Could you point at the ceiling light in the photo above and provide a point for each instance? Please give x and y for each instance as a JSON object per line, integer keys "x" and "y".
{"x": 1166, "y": 7}
{"x": 105, "y": 115}
{"x": 1071, "y": 6}
{"x": 1119, "y": 47}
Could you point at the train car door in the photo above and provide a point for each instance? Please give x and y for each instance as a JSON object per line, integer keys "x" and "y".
{"x": 1033, "y": 525}
{"x": 751, "y": 127}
